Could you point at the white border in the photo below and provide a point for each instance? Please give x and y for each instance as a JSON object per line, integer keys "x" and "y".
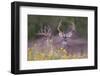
{"x": 26, "y": 65}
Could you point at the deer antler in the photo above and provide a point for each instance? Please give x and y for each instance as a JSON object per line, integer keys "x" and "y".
{"x": 73, "y": 26}
{"x": 58, "y": 28}
{"x": 45, "y": 31}
{"x": 59, "y": 25}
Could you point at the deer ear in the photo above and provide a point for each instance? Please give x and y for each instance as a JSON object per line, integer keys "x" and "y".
{"x": 60, "y": 34}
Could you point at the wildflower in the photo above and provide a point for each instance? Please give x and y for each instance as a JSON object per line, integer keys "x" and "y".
{"x": 64, "y": 56}
{"x": 30, "y": 54}
{"x": 39, "y": 56}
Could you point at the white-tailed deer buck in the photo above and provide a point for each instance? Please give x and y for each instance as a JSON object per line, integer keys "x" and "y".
{"x": 67, "y": 35}
{"x": 46, "y": 32}
{"x": 50, "y": 40}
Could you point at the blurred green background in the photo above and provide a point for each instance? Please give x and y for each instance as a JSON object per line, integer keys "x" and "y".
{"x": 36, "y": 21}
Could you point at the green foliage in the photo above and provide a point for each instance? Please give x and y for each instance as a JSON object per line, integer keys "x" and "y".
{"x": 82, "y": 26}
{"x": 36, "y": 21}
{"x": 32, "y": 30}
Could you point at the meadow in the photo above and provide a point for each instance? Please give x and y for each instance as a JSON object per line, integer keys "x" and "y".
{"x": 57, "y": 37}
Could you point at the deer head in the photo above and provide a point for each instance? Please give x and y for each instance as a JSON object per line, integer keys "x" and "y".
{"x": 69, "y": 33}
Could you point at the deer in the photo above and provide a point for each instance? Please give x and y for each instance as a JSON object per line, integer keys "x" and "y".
{"x": 65, "y": 36}
{"x": 46, "y": 32}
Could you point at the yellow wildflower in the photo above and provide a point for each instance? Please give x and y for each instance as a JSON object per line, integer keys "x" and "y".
{"x": 39, "y": 56}
{"x": 30, "y": 54}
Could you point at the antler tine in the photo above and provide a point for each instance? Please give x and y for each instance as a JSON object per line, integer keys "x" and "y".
{"x": 41, "y": 29}
{"x": 45, "y": 29}
{"x": 73, "y": 26}
{"x": 49, "y": 29}
{"x": 59, "y": 25}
